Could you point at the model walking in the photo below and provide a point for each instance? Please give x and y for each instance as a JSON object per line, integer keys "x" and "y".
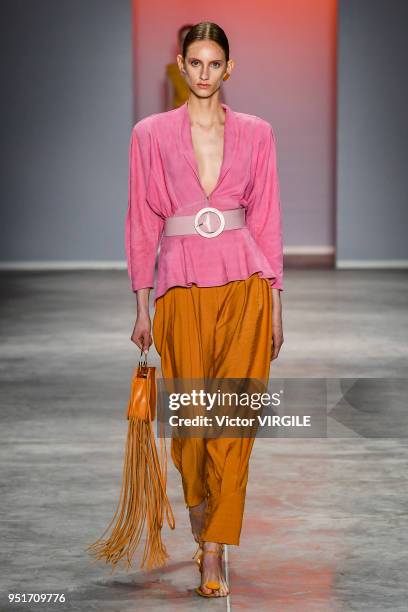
{"x": 205, "y": 171}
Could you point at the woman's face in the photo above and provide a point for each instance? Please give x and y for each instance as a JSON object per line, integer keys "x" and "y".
{"x": 204, "y": 65}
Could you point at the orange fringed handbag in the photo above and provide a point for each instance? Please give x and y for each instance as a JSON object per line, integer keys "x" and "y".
{"x": 143, "y": 498}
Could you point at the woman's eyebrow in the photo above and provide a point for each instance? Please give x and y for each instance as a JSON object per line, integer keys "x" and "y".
{"x": 198, "y": 60}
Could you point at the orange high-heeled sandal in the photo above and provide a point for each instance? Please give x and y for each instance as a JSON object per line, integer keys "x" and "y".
{"x": 214, "y": 585}
{"x": 199, "y": 552}
{"x": 198, "y": 555}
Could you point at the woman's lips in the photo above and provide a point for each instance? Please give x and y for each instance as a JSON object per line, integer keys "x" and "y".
{"x": 203, "y": 85}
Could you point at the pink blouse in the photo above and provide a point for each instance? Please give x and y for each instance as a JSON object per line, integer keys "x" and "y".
{"x": 164, "y": 181}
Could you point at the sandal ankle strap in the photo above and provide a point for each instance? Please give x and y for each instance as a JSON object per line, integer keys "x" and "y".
{"x": 214, "y": 552}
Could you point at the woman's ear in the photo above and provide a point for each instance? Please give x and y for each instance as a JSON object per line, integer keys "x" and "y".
{"x": 180, "y": 62}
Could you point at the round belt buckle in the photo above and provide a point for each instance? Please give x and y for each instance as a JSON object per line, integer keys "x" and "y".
{"x": 198, "y": 225}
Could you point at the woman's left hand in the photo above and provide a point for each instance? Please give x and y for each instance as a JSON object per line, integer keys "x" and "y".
{"x": 277, "y": 327}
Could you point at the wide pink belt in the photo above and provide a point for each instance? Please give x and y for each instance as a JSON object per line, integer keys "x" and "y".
{"x": 207, "y": 222}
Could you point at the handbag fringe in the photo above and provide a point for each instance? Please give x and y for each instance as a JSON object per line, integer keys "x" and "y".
{"x": 143, "y": 500}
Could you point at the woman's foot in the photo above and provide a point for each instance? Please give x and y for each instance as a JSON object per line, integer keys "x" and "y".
{"x": 213, "y": 581}
{"x": 197, "y": 516}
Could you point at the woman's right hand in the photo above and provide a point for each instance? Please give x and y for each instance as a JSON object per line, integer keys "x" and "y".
{"x": 141, "y": 335}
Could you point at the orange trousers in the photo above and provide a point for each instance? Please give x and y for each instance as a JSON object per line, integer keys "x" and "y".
{"x": 215, "y": 332}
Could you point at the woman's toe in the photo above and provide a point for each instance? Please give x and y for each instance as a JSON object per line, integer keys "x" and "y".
{"x": 224, "y": 588}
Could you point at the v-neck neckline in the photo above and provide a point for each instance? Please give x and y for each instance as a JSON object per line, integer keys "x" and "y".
{"x": 188, "y": 147}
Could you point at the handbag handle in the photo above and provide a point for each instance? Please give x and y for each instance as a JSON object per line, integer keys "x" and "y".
{"x": 141, "y": 362}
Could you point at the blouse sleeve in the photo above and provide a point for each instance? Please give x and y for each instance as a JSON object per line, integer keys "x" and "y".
{"x": 143, "y": 227}
{"x": 263, "y": 215}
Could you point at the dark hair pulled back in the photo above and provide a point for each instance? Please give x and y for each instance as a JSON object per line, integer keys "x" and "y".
{"x": 207, "y": 30}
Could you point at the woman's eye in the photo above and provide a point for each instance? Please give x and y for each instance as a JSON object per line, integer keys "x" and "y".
{"x": 215, "y": 64}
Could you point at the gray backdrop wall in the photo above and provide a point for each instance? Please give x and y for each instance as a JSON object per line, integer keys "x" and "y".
{"x": 372, "y": 141}
{"x": 66, "y": 115}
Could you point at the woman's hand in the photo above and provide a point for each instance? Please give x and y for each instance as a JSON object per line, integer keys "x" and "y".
{"x": 141, "y": 335}
{"x": 277, "y": 333}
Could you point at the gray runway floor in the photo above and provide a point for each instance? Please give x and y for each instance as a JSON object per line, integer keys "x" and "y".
{"x": 325, "y": 525}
